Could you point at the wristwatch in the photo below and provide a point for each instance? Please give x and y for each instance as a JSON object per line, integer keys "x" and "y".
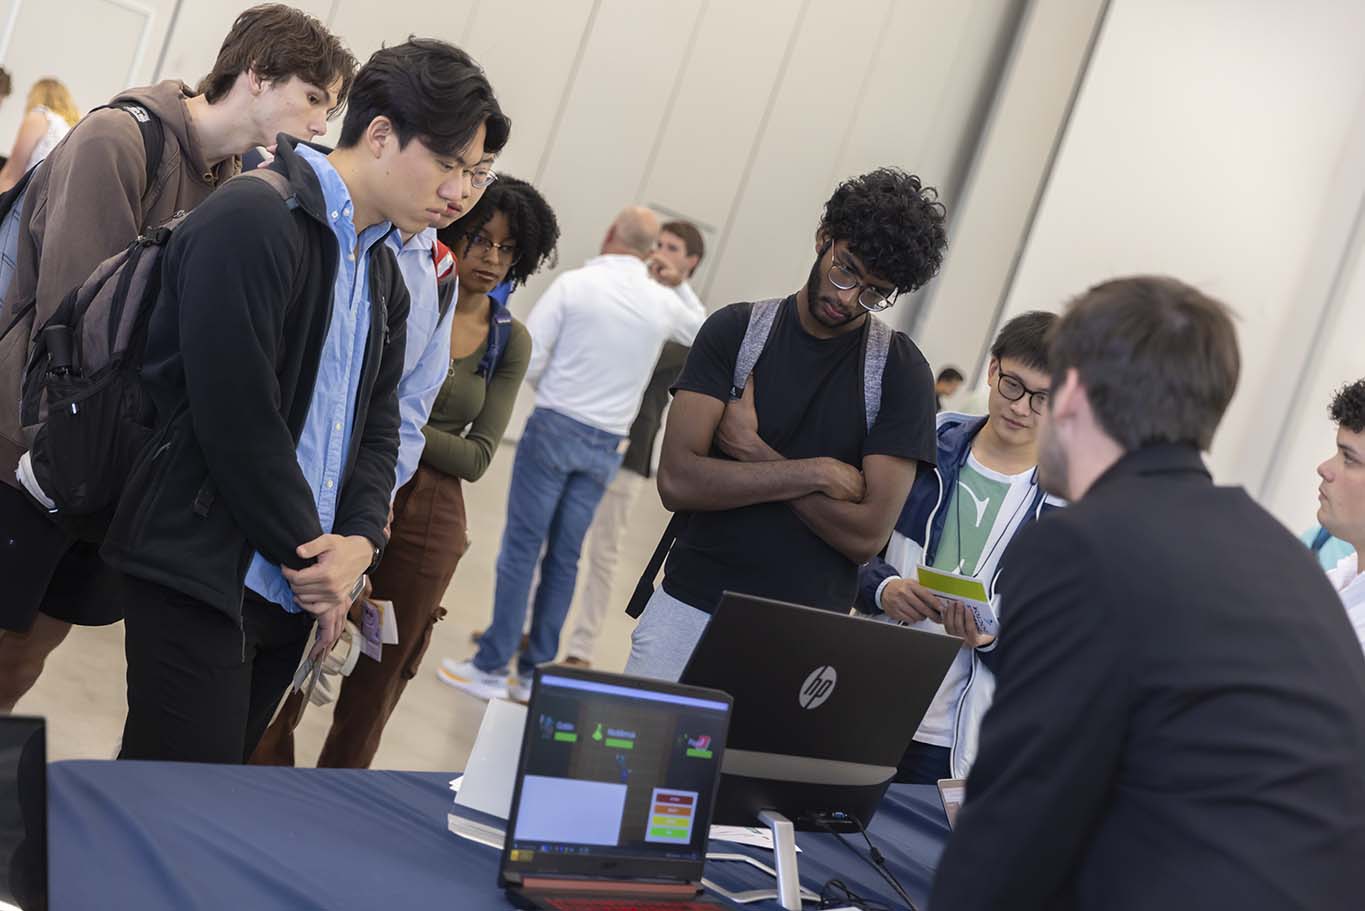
{"x": 378, "y": 555}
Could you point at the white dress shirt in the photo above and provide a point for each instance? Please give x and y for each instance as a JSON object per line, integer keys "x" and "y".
{"x": 596, "y": 334}
{"x": 1350, "y": 584}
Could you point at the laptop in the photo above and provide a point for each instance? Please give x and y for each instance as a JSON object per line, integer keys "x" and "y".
{"x": 825, "y": 705}
{"x": 23, "y": 812}
{"x": 614, "y": 794}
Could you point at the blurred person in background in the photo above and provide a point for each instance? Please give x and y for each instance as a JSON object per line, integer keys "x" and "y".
{"x": 1342, "y": 500}
{"x": 946, "y": 385}
{"x": 676, "y": 258}
{"x": 51, "y": 112}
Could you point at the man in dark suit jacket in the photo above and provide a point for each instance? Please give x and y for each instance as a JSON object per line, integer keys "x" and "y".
{"x": 1180, "y": 713}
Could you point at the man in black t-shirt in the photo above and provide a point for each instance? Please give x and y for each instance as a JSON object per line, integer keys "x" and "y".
{"x": 786, "y": 490}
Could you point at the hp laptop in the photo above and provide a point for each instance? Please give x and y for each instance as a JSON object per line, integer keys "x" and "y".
{"x": 825, "y": 705}
{"x": 614, "y": 794}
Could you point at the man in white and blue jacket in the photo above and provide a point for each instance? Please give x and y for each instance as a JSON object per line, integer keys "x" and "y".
{"x": 961, "y": 519}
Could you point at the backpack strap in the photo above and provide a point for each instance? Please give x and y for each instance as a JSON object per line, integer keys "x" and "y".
{"x": 153, "y": 136}
{"x": 499, "y": 331}
{"x": 876, "y": 348}
{"x": 447, "y": 278}
{"x": 278, "y": 182}
{"x": 644, "y": 588}
{"x": 761, "y": 317}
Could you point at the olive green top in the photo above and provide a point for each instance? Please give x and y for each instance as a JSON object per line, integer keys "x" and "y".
{"x": 467, "y": 401}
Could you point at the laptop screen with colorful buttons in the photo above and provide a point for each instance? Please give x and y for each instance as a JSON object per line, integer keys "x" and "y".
{"x": 616, "y": 769}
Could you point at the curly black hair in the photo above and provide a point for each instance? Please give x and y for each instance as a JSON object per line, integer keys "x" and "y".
{"x": 529, "y": 217}
{"x": 1348, "y": 406}
{"x": 892, "y": 222}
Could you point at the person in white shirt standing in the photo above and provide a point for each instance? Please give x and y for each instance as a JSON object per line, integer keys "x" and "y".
{"x": 1342, "y": 499}
{"x": 596, "y": 334}
{"x": 676, "y": 257}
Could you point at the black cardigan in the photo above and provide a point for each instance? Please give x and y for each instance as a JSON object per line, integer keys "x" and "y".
{"x": 232, "y": 353}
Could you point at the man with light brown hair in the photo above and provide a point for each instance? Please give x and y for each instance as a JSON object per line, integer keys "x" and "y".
{"x": 123, "y": 170}
{"x": 1179, "y": 714}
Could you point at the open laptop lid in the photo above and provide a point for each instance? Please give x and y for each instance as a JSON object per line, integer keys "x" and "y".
{"x": 23, "y": 812}
{"x": 617, "y": 779}
{"x": 816, "y": 683}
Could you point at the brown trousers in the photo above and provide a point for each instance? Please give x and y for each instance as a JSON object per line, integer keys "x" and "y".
{"x": 427, "y": 540}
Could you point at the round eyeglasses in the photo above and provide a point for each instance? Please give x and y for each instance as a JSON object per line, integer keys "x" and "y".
{"x": 485, "y": 247}
{"x": 870, "y": 298}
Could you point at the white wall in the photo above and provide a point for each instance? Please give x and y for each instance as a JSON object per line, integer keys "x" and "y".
{"x": 95, "y": 46}
{"x": 991, "y": 223}
{"x": 1210, "y": 142}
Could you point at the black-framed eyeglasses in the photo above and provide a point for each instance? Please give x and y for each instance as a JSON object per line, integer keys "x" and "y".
{"x": 870, "y": 297}
{"x": 1013, "y": 390}
{"x": 485, "y": 246}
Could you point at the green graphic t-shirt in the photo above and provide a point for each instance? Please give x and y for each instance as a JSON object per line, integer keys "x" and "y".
{"x": 972, "y": 511}
{"x": 971, "y": 545}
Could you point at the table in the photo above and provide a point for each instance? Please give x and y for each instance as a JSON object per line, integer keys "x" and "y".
{"x": 184, "y": 836}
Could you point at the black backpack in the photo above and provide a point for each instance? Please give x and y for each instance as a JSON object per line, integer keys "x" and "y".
{"x": 84, "y": 411}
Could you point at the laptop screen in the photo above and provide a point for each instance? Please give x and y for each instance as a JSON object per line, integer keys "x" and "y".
{"x": 614, "y": 769}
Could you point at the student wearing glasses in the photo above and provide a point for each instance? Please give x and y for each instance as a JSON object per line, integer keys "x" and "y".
{"x": 507, "y": 236}
{"x": 785, "y": 488}
{"x": 961, "y": 518}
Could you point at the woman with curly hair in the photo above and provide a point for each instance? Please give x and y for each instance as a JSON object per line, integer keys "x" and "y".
{"x": 507, "y": 237}
{"x": 807, "y": 490}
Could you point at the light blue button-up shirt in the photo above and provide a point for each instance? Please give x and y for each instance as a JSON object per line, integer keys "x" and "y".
{"x": 326, "y": 436}
{"x": 426, "y": 360}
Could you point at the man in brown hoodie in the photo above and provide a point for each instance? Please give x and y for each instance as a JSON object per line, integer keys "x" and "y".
{"x": 278, "y": 71}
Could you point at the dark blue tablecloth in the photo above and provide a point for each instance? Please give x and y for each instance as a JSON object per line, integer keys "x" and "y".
{"x": 169, "y": 835}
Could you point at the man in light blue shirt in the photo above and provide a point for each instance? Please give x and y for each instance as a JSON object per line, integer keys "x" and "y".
{"x": 326, "y": 436}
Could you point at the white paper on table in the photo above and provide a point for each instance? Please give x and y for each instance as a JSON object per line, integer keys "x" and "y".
{"x": 455, "y": 783}
{"x": 754, "y": 836}
{"x": 492, "y": 770}
{"x": 966, "y": 589}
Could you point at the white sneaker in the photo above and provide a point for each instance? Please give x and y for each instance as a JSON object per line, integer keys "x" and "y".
{"x": 463, "y": 675}
{"x": 519, "y": 690}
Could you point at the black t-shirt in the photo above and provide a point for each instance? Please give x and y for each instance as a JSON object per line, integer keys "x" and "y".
{"x": 809, "y": 399}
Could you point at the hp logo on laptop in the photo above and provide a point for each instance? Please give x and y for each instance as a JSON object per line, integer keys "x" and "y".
{"x": 819, "y": 686}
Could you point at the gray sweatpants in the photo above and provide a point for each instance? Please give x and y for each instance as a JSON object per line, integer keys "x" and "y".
{"x": 664, "y": 638}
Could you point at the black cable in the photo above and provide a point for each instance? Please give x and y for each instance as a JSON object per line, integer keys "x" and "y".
{"x": 845, "y": 896}
{"x": 874, "y": 858}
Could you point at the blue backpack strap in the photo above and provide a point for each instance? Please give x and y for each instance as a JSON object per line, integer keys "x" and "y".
{"x": 499, "y": 331}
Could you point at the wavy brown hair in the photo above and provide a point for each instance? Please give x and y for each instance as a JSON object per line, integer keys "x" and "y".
{"x": 278, "y": 42}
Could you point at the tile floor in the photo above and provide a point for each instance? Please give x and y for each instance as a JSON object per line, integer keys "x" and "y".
{"x": 82, "y": 690}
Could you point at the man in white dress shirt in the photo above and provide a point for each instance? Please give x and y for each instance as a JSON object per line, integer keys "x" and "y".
{"x": 596, "y": 334}
{"x": 1341, "y": 498}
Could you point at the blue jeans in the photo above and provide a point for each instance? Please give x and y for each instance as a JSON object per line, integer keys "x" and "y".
{"x": 561, "y": 471}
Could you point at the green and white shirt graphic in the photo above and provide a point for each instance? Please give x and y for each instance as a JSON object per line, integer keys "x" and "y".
{"x": 972, "y": 511}
{"x": 986, "y": 507}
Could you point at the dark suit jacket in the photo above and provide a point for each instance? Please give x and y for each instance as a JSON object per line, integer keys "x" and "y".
{"x": 1179, "y": 719}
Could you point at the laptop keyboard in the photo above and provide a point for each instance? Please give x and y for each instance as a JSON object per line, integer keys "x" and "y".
{"x": 627, "y": 904}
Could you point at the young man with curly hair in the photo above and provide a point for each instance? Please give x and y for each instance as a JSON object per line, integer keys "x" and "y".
{"x": 1342, "y": 499}
{"x": 786, "y": 487}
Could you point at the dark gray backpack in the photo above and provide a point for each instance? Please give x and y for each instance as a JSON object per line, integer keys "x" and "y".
{"x": 84, "y": 412}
